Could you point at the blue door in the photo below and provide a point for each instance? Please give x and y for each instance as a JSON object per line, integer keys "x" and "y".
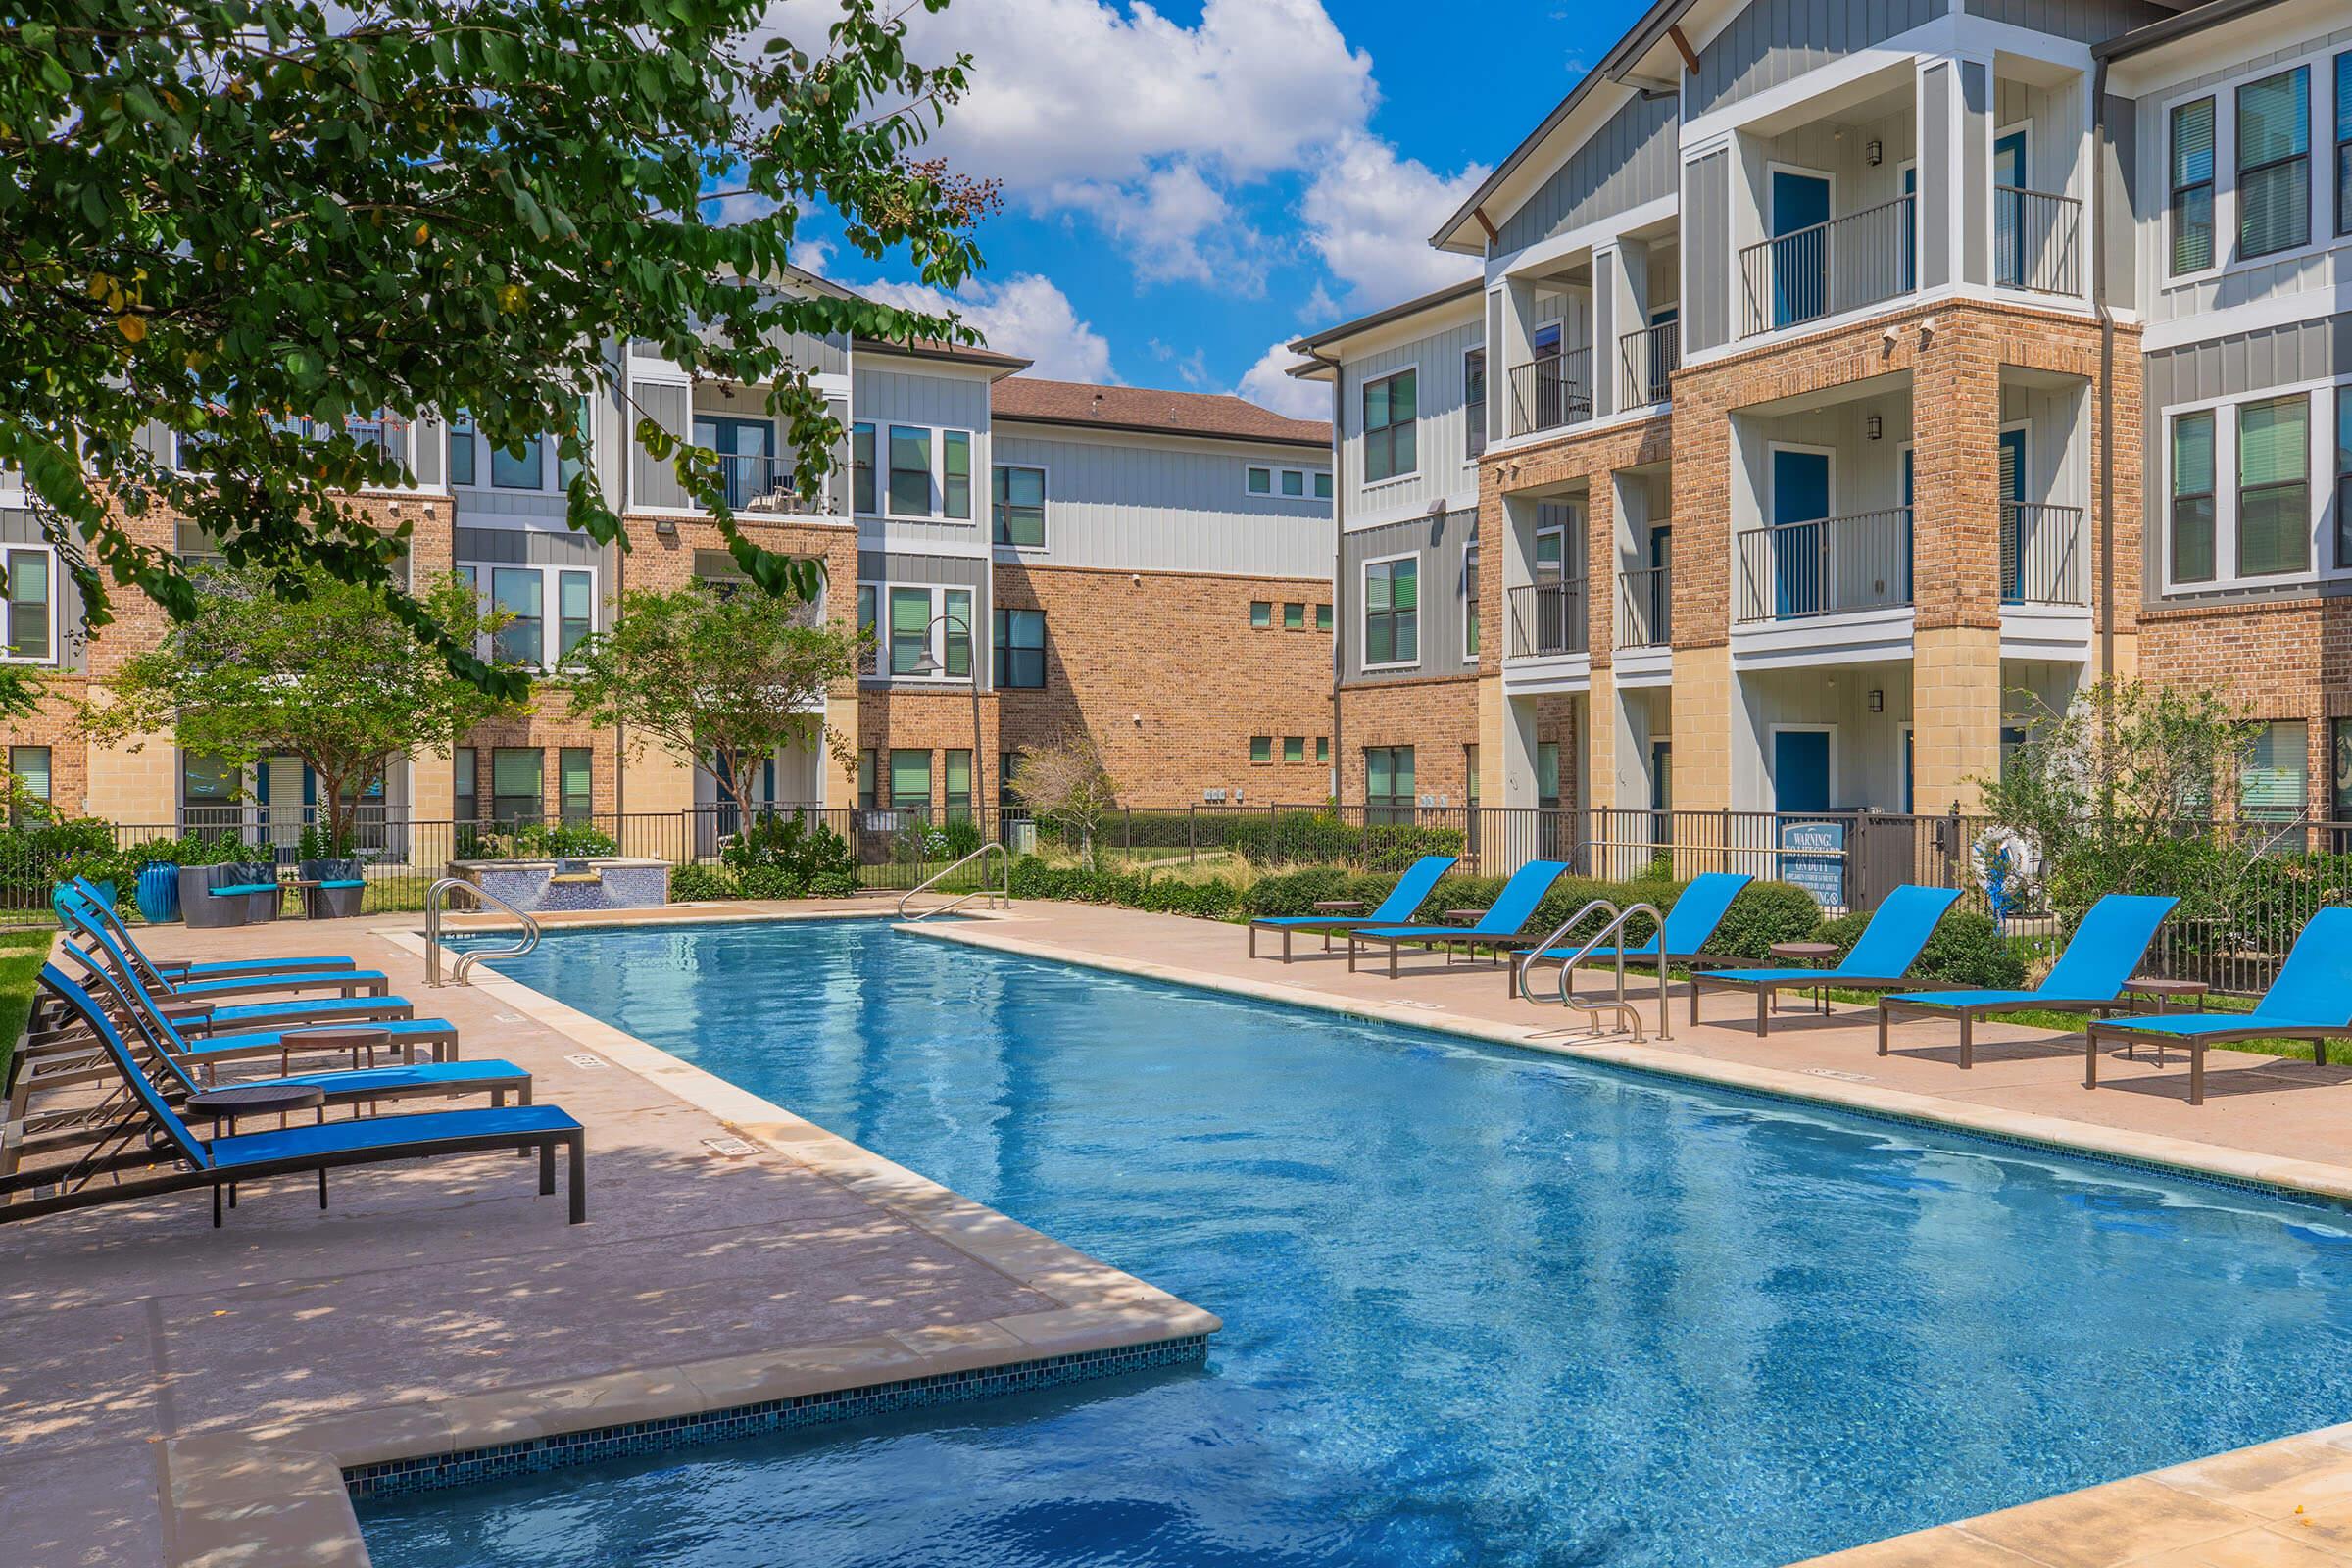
{"x": 1800, "y": 502}
{"x": 2013, "y": 494}
{"x": 2009, "y": 214}
{"x": 1800, "y": 771}
{"x": 1800, "y": 259}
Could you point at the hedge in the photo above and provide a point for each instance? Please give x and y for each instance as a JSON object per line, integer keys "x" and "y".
{"x": 1966, "y": 950}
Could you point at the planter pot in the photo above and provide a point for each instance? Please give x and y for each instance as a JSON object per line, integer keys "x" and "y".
{"x": 158, "y": 893}
{"x": 106, "y": 892}
{"x": 329, "y": 902}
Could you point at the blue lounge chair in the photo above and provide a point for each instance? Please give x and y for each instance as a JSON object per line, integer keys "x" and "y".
{"x": 1890, "y": 945}
{"x": 1690, "y": 926}
{"x": 91, "y": 914}
{"x": 2089, "y": 976}
{"x": 205, "y": 1014}
{"x": 2311, "y": 1000}
{"x": 1403, "y": 899}
{"x": 1499, "y": 929}
{"x": 155, "y": 971}
{"x": 156, "y": 1153}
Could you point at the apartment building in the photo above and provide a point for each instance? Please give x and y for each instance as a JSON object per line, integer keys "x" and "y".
{"x": 1149, "y": 569}
{"x": 1788, "y": 448}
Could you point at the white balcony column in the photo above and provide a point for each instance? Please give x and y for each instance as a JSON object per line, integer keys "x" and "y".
{"x": 1621, "y": 300}
{"x": 1975, "y": 179}
{"x": 1609, "y": 320}
{"x": 1510, "y": 339}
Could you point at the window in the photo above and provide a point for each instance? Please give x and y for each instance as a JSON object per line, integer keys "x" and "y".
{"x": 522, "y": 592}
{"x": 2192, "y": 497}
{"x": 910, "y": 471}
{"x": 1019, "y": 496}
{"x": 1322, "y": 618}
{"x": 1323, "y": 749}
{"x": 2344, "y": 471}
{"x": 462, "y": 446}
{"x": 1547, "y": 773}
{"x": 1261, "y": 613}
{"x": 31, "y": 626}
{"x": 1470, "y": 774}
{"x": 956, "y": 631}
{"x": 1393, "y": 611}
{"x": 1006, "y": 795}
{"x": 1261, "y": 748}
{"x": 576, "y": 771}
{"x": 1261, "y": 482}
{"x": 956, "y": 448}
{"x": 1474, "y": 401}
{"x": 2273, "y": 163}
{"x": 1294, "y": 482}
{"x": 2191, "y": 204}
{"x": 1470, "y": 604}
{"x": 520, "y": 470}
{"x": 1294, "y": 618}
{"x": 2273, "y": 486}
{"x": 960, "y": 781}
{"x": 575, "y": 610}
{"x": 862, "y": 468}
{"x": 1388, "y": 778}
{"x": 1389, "y": 408}
{"x": 518, "y": 786}
{"x": 910, "y": 780}
{"x": 207, "y": 790}
{"x": 468, "y": 805}
{"x": 2274, "y": 783}
{"x": 2343, "y": 143}
{"x": 910, "y": 629}
{"x": 1289, "y": 484}
{"x": 28, "y": 766}
{"x": 1322, "y": 484}
{"x": 1293, "y": 748}
{"x": 866, "y": 618}
{"x": 931, "y": 632}
{"x": 1020, "y": 648}
{"x": 866, "y": 779}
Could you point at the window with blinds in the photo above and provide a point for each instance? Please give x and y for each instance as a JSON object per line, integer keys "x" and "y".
{"x": 910, "y": 780}
{"x": 2191, "y": 204}
{"x": 2343, "y": 143}
{"x": 1391, "y": 449}
{"x": 2273, "y": 163}
{"x": 28, "y": 766}
{"x": 2192, "y": 497}
{"x": 2273, "y": 486}
{"x": 2275, "y": 782}
{"x": 1393, "y": 611}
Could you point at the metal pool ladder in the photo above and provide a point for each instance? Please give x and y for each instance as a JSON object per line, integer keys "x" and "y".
{"x": 433, "y": 896}
{"x": 998, "y": 897}
{"x": 1627, "y": 1013}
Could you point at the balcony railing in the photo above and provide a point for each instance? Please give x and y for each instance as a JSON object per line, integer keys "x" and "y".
{"x": 1548, "y": 618}
{"x": 1826, "y": 567}
{"x": 1553, "y": 392}
{"x": 1645, "y": 360}
{"x": 2036, "y": 241}
{"x": 1647, "y": 620}
{"x": 755, "y": 483}
{"x": 1832, "y": 268}
{"x": 2045, "y": 555}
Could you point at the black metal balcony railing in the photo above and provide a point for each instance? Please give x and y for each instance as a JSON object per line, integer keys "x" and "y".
{"x": 1826, "y": 567}
{"x": 1647, "y": 593}
{"x": 1551, "y": 392}
{"x": 1832, "y": 268}
{"x": 2036, "y": 241}
{"x": 1647, "y": 359}
{"x": 1548, "y": 618}
{"x": 2045, "y": 555}
{"x": 755, "y": 483}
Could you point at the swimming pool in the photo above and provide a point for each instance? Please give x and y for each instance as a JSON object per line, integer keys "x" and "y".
{"x": 1482, "y": 1306}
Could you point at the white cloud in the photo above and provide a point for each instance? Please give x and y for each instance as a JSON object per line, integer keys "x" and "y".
{"x": 1269, "y": 385}
{"x": 1025, "y": 314}
{"x": 1176, "y": 226}
{"x": 1369, "y": 214}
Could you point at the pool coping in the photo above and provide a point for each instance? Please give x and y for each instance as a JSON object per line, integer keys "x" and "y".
{"x": 279, "y": 1493}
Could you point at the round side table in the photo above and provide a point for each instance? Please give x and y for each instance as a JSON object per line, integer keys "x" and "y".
{"x": 1810, "y": 956}
{"x": 223, "y": 1106}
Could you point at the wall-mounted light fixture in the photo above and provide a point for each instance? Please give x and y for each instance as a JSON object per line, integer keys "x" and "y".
{"x": 1873, "y": 427}
{"x": 1874, "y": 151}
{"x": 666, "y": 529}
{"x": 1877, "y": 701}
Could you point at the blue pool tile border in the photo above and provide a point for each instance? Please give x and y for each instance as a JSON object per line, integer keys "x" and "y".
{"x": 398, "y": 1478}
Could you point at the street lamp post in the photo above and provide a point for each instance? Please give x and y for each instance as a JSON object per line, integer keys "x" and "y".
{"x": 927, "y": 666}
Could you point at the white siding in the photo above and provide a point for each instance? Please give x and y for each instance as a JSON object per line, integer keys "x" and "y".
{"x": 903, "y": 395}
{"x": 1446, "y": 471}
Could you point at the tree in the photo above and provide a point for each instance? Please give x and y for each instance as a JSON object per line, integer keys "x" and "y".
{"x": 730, "y": 676}
{"x": 2114, "y": 793}
{"x": 327, "y": 675}
{"x": 255, "y": 222}
{"x": 1067, "y": 787}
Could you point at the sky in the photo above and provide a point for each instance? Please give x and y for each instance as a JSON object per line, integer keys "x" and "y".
{"x": 1187, "y": 187}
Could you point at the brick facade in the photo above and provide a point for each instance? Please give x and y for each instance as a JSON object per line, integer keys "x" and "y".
{"x": 2273, "y": 660}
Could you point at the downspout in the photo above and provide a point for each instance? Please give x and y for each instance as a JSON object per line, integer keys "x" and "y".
{"x": 2099, "y": 150}
{"x": 1339, "y": 567}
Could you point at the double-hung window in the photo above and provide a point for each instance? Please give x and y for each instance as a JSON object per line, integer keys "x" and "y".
{"x": 577, "y": 774}
{"x": 957, "y": 785}
{"x": 2192, "y": 203}
{"x": 519, "y": 470}
{"x": 2273, "y": 486}
{"x": 2343, "y": 143}
{"x": 518, "y": 784}
{"x": 1018, "y": 505}
{"x": 2273, "y": 163}
{"x": 28, "y": 766}
{"x": 1393, "y": 611}
{"x": 466, "y": 804}
{"x": 1470, "y": 604}
{"x": 910, "y": 471}
{"x": 1388, "y": 778}
{"x": 862, "y": 469}
{"x": 1020, "y": 648}
{"x": 1390, "y": 405}
{"x": 463, "y": 447}
{"x": 524, "y": 594}
{"x": 956, "y": 473}
{"x": 930, "y": 632}
{"x": 31, "y": 592}
{"x": 2275, "y": 781}
{"x": 2192, "y": 497}
{"x": 2343, "y": 475}
{"x": 911, "y": 781}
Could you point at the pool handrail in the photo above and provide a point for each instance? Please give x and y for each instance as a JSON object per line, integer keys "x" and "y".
{"x": 998, "y": 897}
{"x": 1625, "y": 1009}
{"x": 433, "y": 896}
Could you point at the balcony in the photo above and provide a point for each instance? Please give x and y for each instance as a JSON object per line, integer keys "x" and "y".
{"x": 1843, "y": 264}
{"x": 2045, "y": 556}
{"x": 757, "y": 483}
{"x": 1825, "y": 566}
{"x": 2036, "y": 241}
{"x": 1645, "y": 362}
{"x": 1552, "y": 393}
{"x": 1647, "y": 617}
{"x": 1547, "y": 618}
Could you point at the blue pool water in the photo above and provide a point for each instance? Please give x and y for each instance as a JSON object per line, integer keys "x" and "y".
{"x": 1481, "y": 1307}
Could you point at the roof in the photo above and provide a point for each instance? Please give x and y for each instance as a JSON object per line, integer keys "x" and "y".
{"x": 2179, "y": 26}
{"x": 1145, "y": 411}
{"x": 1452, "y": 292}
{"x": 953, "y": 352}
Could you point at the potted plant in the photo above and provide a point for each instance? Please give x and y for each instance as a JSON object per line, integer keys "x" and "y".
{"x": 332, "y": 885}
{"x": 102, "y": 869}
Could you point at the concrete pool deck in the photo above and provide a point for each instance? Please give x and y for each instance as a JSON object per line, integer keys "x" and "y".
{"x": 177, "y": 1396}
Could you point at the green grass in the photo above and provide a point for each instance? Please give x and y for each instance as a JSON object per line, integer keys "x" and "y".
{"x": 21, "y": 953}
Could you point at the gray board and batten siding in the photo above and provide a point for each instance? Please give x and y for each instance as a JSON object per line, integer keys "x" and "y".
{"x": 1439, "y": 542}
{"x": 1629, "y": 161}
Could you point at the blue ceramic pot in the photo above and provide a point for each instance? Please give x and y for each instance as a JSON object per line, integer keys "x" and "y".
{"x": 158, "y": 893}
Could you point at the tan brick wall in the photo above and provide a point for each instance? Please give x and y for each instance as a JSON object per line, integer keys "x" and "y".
{"x": 2278, "y": 659}
{"x": 897, "y": 719}
{"x": 1440, "y": 718}
{"x": 1166, "y": 675}
{"x": 1955, "y": 712}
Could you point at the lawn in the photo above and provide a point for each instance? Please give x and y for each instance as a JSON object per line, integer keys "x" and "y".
{"x": 21, "y": 953}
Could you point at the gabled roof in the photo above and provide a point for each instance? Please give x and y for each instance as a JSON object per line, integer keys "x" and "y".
{"x": 1135, "y": 409}
{"x": 2182, "y": 25}
{"x": 1330, "y": 336}
{"x": 945, "y": 353}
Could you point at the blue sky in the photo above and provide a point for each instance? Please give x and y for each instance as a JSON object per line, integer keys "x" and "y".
{"x": 1189, "y": 186}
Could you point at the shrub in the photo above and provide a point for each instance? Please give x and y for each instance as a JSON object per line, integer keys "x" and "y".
{"x": 693, "y": 884}
{"x": 1765, "y": 913}
{"x": 784, "y": 854}
{"x": 35, "y": 852}
{"x": 1967, "y": 950}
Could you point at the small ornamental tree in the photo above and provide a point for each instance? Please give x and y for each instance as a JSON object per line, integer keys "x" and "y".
{"x": 726, "y": 678}
{"x": 301, "y": 664}
{"x": 1067, "y": 787}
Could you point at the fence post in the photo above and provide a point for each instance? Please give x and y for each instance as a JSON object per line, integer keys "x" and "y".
{"x": 1192, "y": 833}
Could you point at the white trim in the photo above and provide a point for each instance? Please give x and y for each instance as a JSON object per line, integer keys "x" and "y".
{"x": 1469, "y": 600}
{"x": 1276, "y": 472}
{"x": 1363, "y": 612}
{"x": 937, "y": 436}
{"x": 1363, "y": 432}
{"x": 2316, "y": 59}
{"x": 1773, "y": 734}
{"x": 1045, "y": 509}
{"x": 56, "y": 633}
{"x": 936, "y": 633}
{"x": 2322, "y": 395}
{"x": 551, "y": 602}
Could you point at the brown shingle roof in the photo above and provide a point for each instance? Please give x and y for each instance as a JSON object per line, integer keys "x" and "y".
{"x": 1145, "y": 410}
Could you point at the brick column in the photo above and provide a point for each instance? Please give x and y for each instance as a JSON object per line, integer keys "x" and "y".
{"x": 1955, "y": 715}
{"x": 1603, "y": 723}
{"x": 1701, "y": 726}
{"x": 1956, "y": 510}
